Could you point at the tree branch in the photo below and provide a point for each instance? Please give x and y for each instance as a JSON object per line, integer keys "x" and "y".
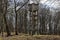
{"x": 22, "y": 5}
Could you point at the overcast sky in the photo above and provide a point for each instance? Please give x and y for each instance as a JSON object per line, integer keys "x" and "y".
{"x": 50, "y": 3}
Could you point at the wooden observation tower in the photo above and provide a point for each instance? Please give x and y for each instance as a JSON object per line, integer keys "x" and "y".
{"x": 33, "y": 9}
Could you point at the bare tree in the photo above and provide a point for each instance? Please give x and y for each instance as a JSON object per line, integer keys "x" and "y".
{"x": 16, "y": 32}
{"x": 4, "y": 16}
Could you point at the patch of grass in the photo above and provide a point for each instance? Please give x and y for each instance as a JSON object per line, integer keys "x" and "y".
{"x": 31, "y": 37}
{"x": 13, "y": 39}
{"x": 47, "y": 37}
{"x": 1, "y": 38}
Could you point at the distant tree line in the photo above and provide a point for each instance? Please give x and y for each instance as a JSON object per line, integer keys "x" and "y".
{"x": 19, "y": 21}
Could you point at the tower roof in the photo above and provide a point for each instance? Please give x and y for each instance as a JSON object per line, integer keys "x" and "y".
{"x": 33, "y": 1}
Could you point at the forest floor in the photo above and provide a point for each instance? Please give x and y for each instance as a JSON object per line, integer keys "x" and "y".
{"x": 30, "y": 37}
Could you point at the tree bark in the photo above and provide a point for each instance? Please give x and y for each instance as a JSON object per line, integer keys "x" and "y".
{"x": 16, "y": 32}
{"x": 5, "y": 21}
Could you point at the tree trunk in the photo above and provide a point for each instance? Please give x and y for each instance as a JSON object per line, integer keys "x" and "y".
{"x": 16, "y": 32}
{"x": 16, "y": 25}
{"x": 5, "y": 21}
